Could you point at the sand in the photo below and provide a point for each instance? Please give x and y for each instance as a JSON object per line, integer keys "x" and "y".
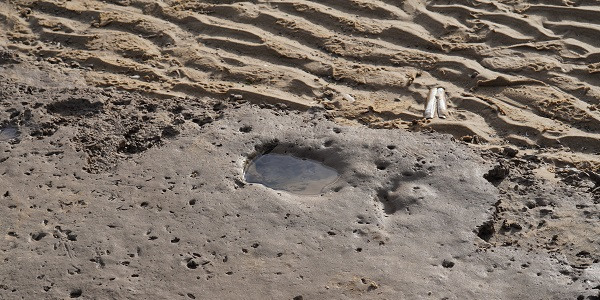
{"x": 517, "y": 72}
{"x": 103, "y": 100}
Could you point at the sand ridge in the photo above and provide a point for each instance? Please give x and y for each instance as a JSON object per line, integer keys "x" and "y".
{"x": 517, "y": 72}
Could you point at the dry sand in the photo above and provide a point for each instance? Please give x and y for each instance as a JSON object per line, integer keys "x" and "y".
{"x": 517, "y": 72}
{"x": 96, "y": 93}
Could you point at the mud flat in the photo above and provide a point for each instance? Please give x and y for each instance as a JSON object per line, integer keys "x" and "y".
{"x": 109, "y": 194}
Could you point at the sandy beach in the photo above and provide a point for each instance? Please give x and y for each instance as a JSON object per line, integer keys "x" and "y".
{"x": 126, "y": 127}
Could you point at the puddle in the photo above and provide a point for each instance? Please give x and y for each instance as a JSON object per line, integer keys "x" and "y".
{"x": 8, "y": 133}
{"x": 291, "y": 174}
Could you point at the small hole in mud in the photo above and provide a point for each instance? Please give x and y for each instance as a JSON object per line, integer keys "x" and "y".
{"x": 391, "y": 147}
{"x": 289, "y": 173}
{"x": 76, "y": 293}
{"x": 408, "y": 173}
{"x": 337, "y": 130}
{"x": 382, "y": 165}
{"x": 246, "y": 129}
{"x": 447, "y": 264}
{"x": 192, "y": 264}
{"x": 38, "y": 236}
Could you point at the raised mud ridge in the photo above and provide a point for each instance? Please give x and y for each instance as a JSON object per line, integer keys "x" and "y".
{"x": 523, "y": 73}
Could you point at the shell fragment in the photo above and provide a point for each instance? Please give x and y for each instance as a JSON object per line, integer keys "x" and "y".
{"x": 348, "y": 98}
{"x": 431, "y": 104}
{"x": 442, "y": 107}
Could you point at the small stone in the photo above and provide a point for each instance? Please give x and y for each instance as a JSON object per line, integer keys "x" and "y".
{"x": 236, "y": 97}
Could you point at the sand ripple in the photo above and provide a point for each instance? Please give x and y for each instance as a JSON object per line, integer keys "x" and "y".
{"x": 517, "y": 72}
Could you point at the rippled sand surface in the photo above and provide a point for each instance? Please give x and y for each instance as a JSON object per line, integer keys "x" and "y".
{"x": 517, "y": 72}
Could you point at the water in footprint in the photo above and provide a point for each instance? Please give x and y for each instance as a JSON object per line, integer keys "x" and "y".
{"x": 8, "y": 133}
{"x": 288, "y": 173}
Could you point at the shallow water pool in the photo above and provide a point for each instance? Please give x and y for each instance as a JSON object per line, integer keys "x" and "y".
{"x": 8, "y": 133}
{"x": 289, "y": 173}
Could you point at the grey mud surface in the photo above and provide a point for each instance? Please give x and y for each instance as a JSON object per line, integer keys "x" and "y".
{"x": 111, "y": 195}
